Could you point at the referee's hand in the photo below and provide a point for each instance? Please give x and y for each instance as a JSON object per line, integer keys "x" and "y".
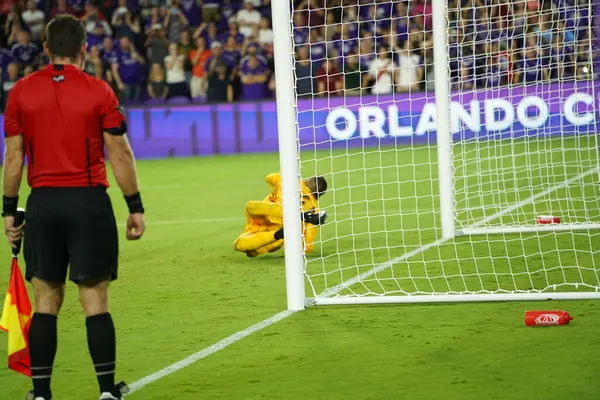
{"x": 135, "y": 226}
{"x": 13, "y": 234}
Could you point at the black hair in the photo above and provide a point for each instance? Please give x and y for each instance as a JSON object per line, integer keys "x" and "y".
{"x": 65, "y": 35}
{"x": 321, "y": 184}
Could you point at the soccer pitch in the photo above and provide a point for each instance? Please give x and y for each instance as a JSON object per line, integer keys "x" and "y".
{"x": 182, "y": 289}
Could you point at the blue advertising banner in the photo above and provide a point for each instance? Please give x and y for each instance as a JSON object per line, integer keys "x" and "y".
{"x": 182, "y": 131}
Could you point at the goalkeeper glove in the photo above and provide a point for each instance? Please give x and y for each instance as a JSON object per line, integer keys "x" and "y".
{"x": 311, "y": 217}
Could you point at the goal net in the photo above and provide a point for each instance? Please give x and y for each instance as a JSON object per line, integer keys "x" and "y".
{"x": 460, "y": 143}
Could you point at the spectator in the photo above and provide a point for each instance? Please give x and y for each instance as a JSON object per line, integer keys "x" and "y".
{"x": 12, "y": 76}
{"x": 265, "y": 35}
{"x": 329, "y": 79}
{"x": 210, "y": 34}
{"x": 216, "y": 59}
{"x": 504, "y": 61}
{"x": 252, "y": 51}
{"x": 155, "y": 19}
{"x": 366, "y": 52}
{"x": 210, "y": 11}
{"x": 248, "y": 19}
{"x": 175, "y": 22}
{"x": 191, "y": 11}
{"x": 13, "y": 25}
{"x": 198, "y": 57}
{"x": 301, "y": 31}
{"x": 174, "y": 64}
{"x": 34, "y": 19}
{"x": 254, "y": 76}
{"x": 318, "y": 48}
{"x": 410, "y": 73}
{"x": 93, "y": 63}
{"x": 400, "y": 24}
{"x": 97, "y": 37}
{"x": 382, "y": 72}
{"x": 146, "y": 11}
{"x": 530, "y": 67}
{"x": 331, "y": 29}
{"x": 157, "y": 45}
{"x": 234, "y": 33}
{"x": 128, "y": 24}
{"x": 493, "y": 78}
{"x": 28, "y": 70}
{"x": 126, "y": 71}
{"x": 24, "y": 51}
{"x": 228, "y": 10}
{"x": 561, "y": 59}
{"x": 344, "y": 44}
{"x": 185, "y": 47}
{"x": 108, "y": 53}
{"x": 78, "y": 5}
{"x": 219, "y": 88}
{"x": 304, "y": 72}
{"x": 232, "y": 56}
{"x": 6, "y": 58}
{"x": 92, "y": 16}
{"x": 61, "y": 8}
{"x": 157, "y": 87}
{"x": 118, "y": 15}
{"x": 352, "y": 75}
{"x": 466, "y": 67}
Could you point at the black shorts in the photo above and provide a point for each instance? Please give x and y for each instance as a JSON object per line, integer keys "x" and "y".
{"x": 70, "y": 226}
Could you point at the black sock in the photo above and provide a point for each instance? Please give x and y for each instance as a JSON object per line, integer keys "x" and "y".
{"x": 42, "y": 349}
{"x": 279, "y": 234}
{"x": 103, "y": 349}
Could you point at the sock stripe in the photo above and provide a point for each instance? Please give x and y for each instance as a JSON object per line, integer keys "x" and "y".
{"x": 105, "y": 373}
{"x": 107, "y": 364}
{"x": 40, "y": 368}
{"x": 41, "y": 376}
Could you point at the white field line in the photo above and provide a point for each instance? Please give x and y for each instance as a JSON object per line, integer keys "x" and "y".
{"x": 382, "y": 267}
{"x": 220, "y": 345}
{"x": 236, "y": 337}
{"x": 371, "y": 214}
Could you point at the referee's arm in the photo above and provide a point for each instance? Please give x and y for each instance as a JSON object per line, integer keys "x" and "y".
{"x": 12, "y": 170}
{"x": 122, "y": 162}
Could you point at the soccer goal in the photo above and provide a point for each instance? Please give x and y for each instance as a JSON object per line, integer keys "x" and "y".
{"x": 460, "y": 143}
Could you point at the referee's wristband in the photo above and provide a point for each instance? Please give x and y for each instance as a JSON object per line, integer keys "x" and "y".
{"x": 9, "y": 206}
{"x": 134, "y": 203}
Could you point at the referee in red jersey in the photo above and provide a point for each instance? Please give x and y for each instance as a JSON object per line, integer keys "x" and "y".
{"x": 61, "y": 119}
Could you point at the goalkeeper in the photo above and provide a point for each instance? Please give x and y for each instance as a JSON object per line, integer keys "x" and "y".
{"x": 264, "y": 219}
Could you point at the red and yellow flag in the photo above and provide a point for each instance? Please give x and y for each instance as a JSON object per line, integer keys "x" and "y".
{"x": 16, "y": 319}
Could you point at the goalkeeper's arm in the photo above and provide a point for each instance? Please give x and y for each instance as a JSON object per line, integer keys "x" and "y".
{"x": 264, "y": 209}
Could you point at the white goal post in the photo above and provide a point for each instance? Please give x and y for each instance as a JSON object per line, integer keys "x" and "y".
{"x": 460, "y": 144}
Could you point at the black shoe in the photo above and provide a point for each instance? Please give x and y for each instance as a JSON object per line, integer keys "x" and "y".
{"x": 121, "y": 388}
{"x": 31, "y": 396}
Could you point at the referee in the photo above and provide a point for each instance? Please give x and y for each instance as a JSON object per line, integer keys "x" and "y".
{"x": 62, "y": 119}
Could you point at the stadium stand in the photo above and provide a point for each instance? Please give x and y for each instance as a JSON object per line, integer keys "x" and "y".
{"x": 150, "y": 50}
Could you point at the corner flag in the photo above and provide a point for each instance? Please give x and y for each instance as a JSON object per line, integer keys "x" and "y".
{"x": 16, "y": 319}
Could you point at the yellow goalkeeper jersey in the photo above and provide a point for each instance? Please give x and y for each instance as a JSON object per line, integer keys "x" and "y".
{"x": 274, "y": 221}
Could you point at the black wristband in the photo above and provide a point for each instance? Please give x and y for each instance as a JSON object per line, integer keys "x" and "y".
{"x": 134, "y": 203}
{"x": 9, "y": 205}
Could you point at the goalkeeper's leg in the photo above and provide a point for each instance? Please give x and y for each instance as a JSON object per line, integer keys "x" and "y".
{"x": 270, "y": 248}
{"x": 251, "y": 242}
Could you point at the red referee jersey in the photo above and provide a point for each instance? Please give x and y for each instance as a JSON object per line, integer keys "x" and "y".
{"x": 61, "y": 113}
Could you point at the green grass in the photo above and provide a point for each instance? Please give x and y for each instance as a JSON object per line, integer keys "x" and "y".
{"x": 183, "y": 288}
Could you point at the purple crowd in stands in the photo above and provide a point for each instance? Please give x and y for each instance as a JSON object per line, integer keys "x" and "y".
{"x": 222, "y": 50}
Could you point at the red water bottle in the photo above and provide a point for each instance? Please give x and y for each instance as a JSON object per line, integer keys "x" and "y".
{"x": 547, "y": 219}
{"x": 547, "y": 318}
